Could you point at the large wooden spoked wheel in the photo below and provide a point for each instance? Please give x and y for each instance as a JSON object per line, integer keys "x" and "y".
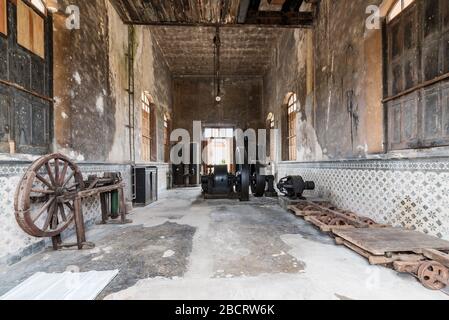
{"x": 44, "y": 201}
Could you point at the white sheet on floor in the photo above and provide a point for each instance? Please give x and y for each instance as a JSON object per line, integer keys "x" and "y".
{"x": 62, "y": 286}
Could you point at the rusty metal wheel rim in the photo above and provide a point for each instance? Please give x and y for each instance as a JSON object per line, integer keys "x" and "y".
{"x": 350, "y": 214}
{"x": 49, "y": 179}
{"x": 433, "y": 275}
{"x": 310, "y": 208}
{"x": 326, "y": 219}
{"x": 339, "y": 222}
{"x": 368, "y": 221}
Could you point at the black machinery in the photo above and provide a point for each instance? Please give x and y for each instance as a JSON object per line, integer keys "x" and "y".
{"x": 293, "y": 187}
{"x": 219, "y": 183}
{"x": 262, "y": 185}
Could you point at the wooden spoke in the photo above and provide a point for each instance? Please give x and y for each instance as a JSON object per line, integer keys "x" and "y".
{"x": 72, "y": 187}
{"x": 49, "y": 219}
{"x": 55, "y": 220}
{"x": 44, "y": 181}
{"x": 69, "y": 205}
{"x": 62, "y": 212}
{"x": 42, "y": 191}
{"x": 42, "y": 210}
{"x": 68, "y": 179}
{"x": 57, "y": 171}
{"x": 50, "y": 173}
{"x": 64, "y": 173}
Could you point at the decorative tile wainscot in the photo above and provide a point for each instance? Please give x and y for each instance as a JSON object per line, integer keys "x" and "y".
{"x": 412, "y": 194}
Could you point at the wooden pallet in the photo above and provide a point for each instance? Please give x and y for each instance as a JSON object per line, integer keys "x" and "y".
{"x": 324, "y": 227}
{"x": 423, "y": 256}
{"x": 314, "y": 212}
{"x": 406, "y": 251}
{"x": 382, "y": 259}
{"x": 382, "y": 241}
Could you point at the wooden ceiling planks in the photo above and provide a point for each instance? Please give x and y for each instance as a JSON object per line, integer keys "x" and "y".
{"x": 184, "y": 12}
{"x": 181, "y": 11}
{"x": 190, "y": 51}
{"x": 186, "y": 29}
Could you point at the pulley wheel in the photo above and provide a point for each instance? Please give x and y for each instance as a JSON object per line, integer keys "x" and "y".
{"x": 44, "y": 200}
{"x": 258, "y": 185}
{"x": 244, "y": 183}
{"x": 433, "y": 275}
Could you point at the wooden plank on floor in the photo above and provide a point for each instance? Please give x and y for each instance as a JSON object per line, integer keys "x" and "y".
{"x": 436, "y": 255}
{"x": 380, "y": 241}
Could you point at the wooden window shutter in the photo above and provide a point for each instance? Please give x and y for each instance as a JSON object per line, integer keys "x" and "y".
{"x": 3, "y": 17}
{"x": 30, "y": 29}
{"x": 285, "y": 131}
{"x": 153, "y": 126}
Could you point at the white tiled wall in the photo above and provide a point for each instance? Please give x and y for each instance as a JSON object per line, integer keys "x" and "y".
{"x": 14, "y": 242}
{"x": 412, "y": 194}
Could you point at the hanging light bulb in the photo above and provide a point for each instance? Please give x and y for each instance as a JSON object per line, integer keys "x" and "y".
{"x": 217, "y": 44}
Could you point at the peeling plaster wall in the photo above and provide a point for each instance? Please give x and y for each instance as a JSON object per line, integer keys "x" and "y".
{"x": 341, "y": 65}
{"x": 153, "y": 76}
{"x": 292, "y": 71}
{"x": 85, "y": 107}
{"x": 343, "y": 111}
{"x": 91, "y": 110}
{"x": 336, "y": 71}
{"x": 194, "y": 100}
{"x": 91, "y": 79}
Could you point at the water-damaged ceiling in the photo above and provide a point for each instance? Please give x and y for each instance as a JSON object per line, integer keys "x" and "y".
{"x": 203, "y": 12}
{"x": 185, "y": 30}
{"x": 190, "y": 51}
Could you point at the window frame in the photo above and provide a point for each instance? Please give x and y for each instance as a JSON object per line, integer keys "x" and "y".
{"x": 35, "y": 7}
{"x": 270, "y": 125}
{"x": 411, "y": 106}
{"x": 146, "y": 129}
{"x": 4, "y": 27}
{"x": 35, "y": 23}
{"x": 404, "y": 6}
{"x": 167, "y": 129}
{"x": 292, "y": 109}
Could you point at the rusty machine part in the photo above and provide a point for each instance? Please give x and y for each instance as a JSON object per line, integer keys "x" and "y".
{"x": 262, "y": 185}
{"x": 433, "y": 275}
{"x": 328, "y": 216}
{"x": 48, "y": 198}
{"x": 293, "y": 187}
{"x": 220, "y": 184}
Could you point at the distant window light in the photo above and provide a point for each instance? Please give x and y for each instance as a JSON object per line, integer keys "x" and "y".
{"x": 147, "y": 101}
{"x": 293, "y": 104}
{"x": 270, "y": 120}
{"x": 399, "y": 6}
{"x": 219, "y": 133}
{"x": 40, "y": 6}
{"x": 292, "y": 111}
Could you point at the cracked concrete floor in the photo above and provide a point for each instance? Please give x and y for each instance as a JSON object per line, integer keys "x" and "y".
{"x": 184, "y": 247}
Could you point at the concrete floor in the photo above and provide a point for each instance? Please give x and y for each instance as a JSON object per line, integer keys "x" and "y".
{"x": 184, "y": 247}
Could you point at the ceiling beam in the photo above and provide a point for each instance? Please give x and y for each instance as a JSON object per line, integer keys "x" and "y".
{"x": 285, "y": 19}
{"x": 243, "y": 11}
{"x": 263, "y": 19}
{"x": 292, "y": 5}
